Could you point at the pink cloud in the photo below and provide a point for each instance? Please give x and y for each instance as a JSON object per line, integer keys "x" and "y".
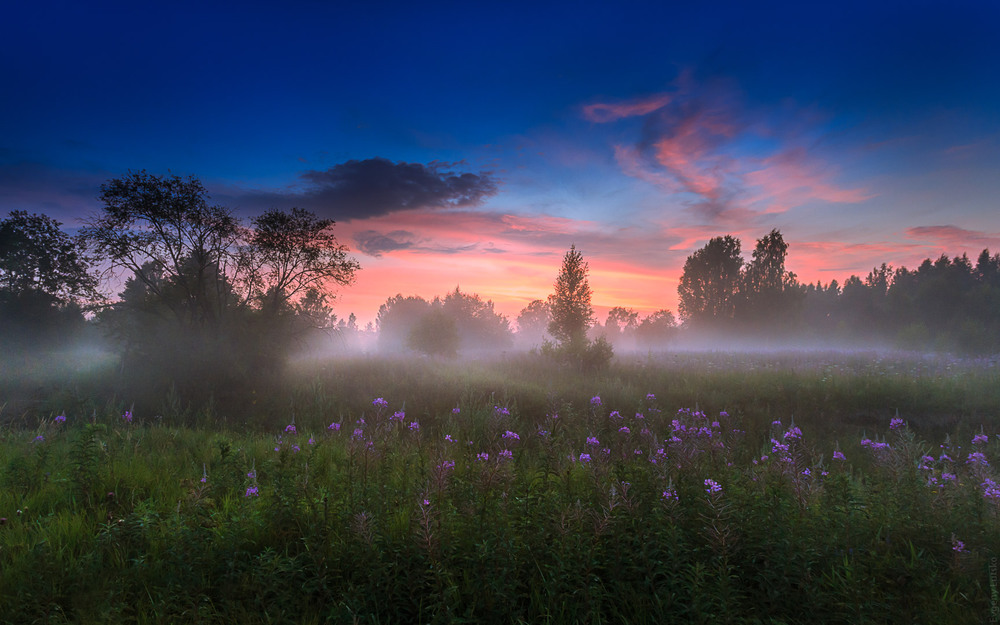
{"x": 603, "y": 113}
{"x": 951, "y": 238}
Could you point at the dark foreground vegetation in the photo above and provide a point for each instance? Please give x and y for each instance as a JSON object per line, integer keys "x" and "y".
{"x": 704, "y": 488}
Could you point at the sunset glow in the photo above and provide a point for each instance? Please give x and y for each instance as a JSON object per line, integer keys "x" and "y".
{"x": 474, "y": 156}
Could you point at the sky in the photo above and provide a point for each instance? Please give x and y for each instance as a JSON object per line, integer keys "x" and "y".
{"x": 464, "y": 144}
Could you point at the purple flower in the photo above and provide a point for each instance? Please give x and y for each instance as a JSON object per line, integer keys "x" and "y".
{"x": 978, "y": 439}
{"x": 399, "y": 415}
{"x": 127, "y": 417}
{"x": 624, "y": 430}
{"x": 584, "y": 458}
{"x": 670, "y": 494}
{"x": 991, "y": 490}
{"x": 312, "y": 441}
{"x": 595, "y": 400}
{"x": 378, "y": 402}
{"x": 592, "y": 441}
{"x": 456, "y": 410}
{"x": 60, "y": 419}
{"x": 358, "y": 434}
{"x": 252, "y": 491}
{"x": 39, "y": 439}
{"x": 543, "y": 433}
{"x": 650, "y": 397}
{"x": 977, "y": 457}
{"x": 482, "y": 457}
{"x": 711, "y": 486}
{"x": 334, "y": 426}
{"x": 956, "y": 545}
{"x": 793, "y": 433}
{"x": 290, "y": 428}
{"x": 501, "y": 411}
{"x": 895, "y": 423}
{"x": 505, "y": 454}
{"x": 838, "y": 455}
{"x": 511, "y": 436}
{"x": 414, "y": 426}
{"x": 447, "y": 465}
{"x": 448, "y": 438}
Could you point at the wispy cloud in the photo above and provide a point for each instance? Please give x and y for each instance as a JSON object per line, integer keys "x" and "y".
{"x": 954, "y": 238}
{"x": 725, "y": 162}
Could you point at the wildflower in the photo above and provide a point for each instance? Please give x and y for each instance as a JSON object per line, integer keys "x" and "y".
{"x": 204, "y": 474}
{"x": 39, "y": 439}
{"x": 637, "y": 452}
{"x": 127, "y": 417}
{"x": 252, "y": 492}
{"x": 980, "y": 439}
{"x": 482, "y": 457}
{"x": 806, "y": 472}
{"x": 501, "y": 411}
{"x": 639, "y": 416}
{"x": 399, "y": 415}
{"x": 956, "y": 545}
{"x": 378, "y": 402}
{"x": 723, "y": 414}
{"x": 776, "y": 423}
{"x": 650, "y": 397}
{"x": 584, "y": 458}
{"x": 595, "y": 400}
{"x": 793, "y": 433}
{"x": 456, "y": 410}
{"x": 605, "y": 452}
{"x": 896, "y": 423}
{"x": 778, "y": 448}
{"x": 977, "y": 457}
{"x": 505, "y": 454}
{"x": 624, "y": 429}
{"x": 448, "y": 438}
{"x": 511, "y": 436}
{"x": 949, "y": 477}
{"x": 838, "y": 455}
{"x": 358, "y": 434}
{"x": 670, "y": 494}
{"x": 334, "y": 427}
{"x": 945, "y": 458}
{"x": 991, "y": 490}
{"x": 312, "y": 441}
{"x": 60, "y": 419}
{"x": 290, "y": 428}
{"x": 592, "y": 441}
{"x": 715, "y": 424}
{"x": 711, "y": 486}
{"x": 426, "y": 502}
{"x": 615, "y": 415}
{"x": 543, "y": 433}
{"x": 447, "y": 465}
{"x": 414, "y": 426}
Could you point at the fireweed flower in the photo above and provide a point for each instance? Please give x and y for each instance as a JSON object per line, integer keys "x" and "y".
{"x": 456, "y": 410}
{"x": 312, "y": 441}
{"x": 127, "y": 417}
{"x": 511, "y": 436}
{"x": 838, "y": 455}
{"x": 39, "y": 439}
{"x": 650, "y": 397}
{"x": 501, "y": 411}
{"x": 592, "y": 441}
{"x": 977, "y": 457}
{"x": 978, "y": 439}
{"x": 414, "y": 426}
{"x": 711, "y": 486}
{"x": 204, "y": 474}
{"x": 482, "y": 457}
{"x": 949, "y": 477}
{"x": 956, "y": 545}
{"x": 335, "y": 427}
{"x": 379, "y": 402}
{"x": 505, "y": 454}
{"x": 358, "y": 434}
{"x": 595, "y": 401}
{"x": 448, "y": 438}
{"x": 896, "y": 423}
{"x": 399, "y": 415}
{"x": 60, "y": 419}
{"x": 290, "y": 428}
{"x": 543, "y": 433}
{"x": 252, "y": 492}
{"x": 670, "y": 494}
{"x": 793, "y": 433}
{"x": 584, "y": 458}
{"x": 991, "y": 490}
{"x": 615, "y": 415}
{"x": 624, "y": 430}
{"x": 447, "y": 465}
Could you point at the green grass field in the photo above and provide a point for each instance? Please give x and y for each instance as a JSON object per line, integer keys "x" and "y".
{"x": 703, "y": 488}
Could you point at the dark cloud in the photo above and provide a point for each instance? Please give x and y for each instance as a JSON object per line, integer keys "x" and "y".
{"x": 377, "y": 186}
{"x": 375, "y": 243}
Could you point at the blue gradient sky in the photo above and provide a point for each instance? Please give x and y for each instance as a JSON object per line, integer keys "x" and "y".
{"x": 467, "y": 144}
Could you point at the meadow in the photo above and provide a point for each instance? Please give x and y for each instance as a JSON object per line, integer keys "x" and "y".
{"x": 787, "y": 487}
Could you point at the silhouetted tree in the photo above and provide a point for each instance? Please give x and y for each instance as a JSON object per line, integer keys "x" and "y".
{"x": 569, "y": 305}
{"x": 710, "y": 283}
{"x": 435, "y": 334}
{"x": 770, "y": 296}
{"x": 656, "y": 330}
{"x": 45, "y": 278}
{"x": 395, "y": 318}
{"x": 533, "y": 322}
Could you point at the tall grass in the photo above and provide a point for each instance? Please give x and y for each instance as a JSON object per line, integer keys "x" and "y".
{"x": 709, "y": 488}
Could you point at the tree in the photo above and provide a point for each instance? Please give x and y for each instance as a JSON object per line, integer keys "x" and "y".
{"x": 656, "y": 330}
{"x": 291, "y": 253}
{"x": 435, "y": 334}
{"x": 710, "y": 283}
{"x": 533, "y": 322}
{"x": 771, "y": 298}
{"x": 572, "y": 314}
{"x": 479, "y": 326}
{"x": 396, "y": 317}
{"x": 45, "y": 278}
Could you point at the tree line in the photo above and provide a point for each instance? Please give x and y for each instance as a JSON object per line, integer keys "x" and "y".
{"x": 207, "y": 297}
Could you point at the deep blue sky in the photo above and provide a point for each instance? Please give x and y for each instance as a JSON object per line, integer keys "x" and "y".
{"x": 866, "y": 132}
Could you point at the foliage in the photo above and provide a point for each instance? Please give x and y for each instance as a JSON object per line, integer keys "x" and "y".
{"x": 569, "y": 304}
{"x": 435, "y": 334}
{"x": 45, "y": 279}
{"x": 710, "y": 282}
{"x": 604, "y": 504}
{"x": 476, "y": 324}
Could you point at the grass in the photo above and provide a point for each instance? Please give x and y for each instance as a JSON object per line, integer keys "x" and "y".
{"x": 589, "y": 514}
